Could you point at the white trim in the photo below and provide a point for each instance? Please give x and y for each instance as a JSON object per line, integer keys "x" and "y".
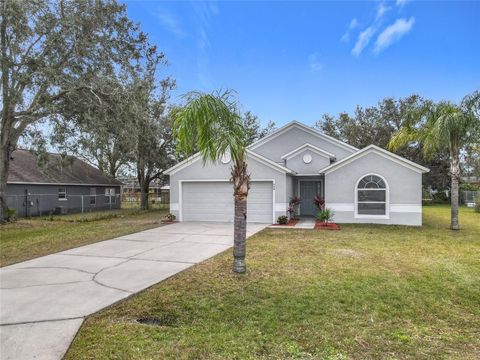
{"x": 174, "y": 207}
{"x": 379, "y": 151}
{"x": 356, "y": 215}
{"x": 59, "y": 184}
{"x": 311, "y": 147}
{"x": 300, "y": 175}
{"x": 406, "y": 208}
{"x": 180, "y": 190}
{"x": 340, "y": 207}
{"x": 306, "y": 128}
{"x": 394, "y": 208}
{"x": 194, "y": 158}
{"x": 182, "y": 164}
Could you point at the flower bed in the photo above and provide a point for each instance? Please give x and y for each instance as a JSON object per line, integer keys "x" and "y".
{"x": 291, "y": 222}
{"x": 320, "y": 225}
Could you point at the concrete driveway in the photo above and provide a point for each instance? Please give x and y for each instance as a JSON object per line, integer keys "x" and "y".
{"x": 43, "y": 301}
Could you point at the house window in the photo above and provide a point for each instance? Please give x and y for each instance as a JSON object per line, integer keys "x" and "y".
{"x": 110, "y": 195}
{"x": 372, "y": 197}
{"x": 62, "y": 193}
{"x": 93, "y": 196}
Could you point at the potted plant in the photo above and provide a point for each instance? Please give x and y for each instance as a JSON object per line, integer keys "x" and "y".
{"x": 292, "y": 206}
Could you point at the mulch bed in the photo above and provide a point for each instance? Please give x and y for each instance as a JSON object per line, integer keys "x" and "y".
{"x": 319, "y": 225}
{"x": 291, "y": 222}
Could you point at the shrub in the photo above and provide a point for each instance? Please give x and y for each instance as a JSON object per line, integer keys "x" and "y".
{"x": 282, "y": 220}
{"x": 440, "y": 198}
{"x": 319, "y": 202}
{"x": 325, "y": 215}
{"x": 292, "y": 206}
{"x": 11, "y": 214}
{"x": 477, "y": 204}
{"x": 170, "y": 217}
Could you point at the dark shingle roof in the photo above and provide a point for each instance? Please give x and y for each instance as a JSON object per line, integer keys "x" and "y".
{"x": 26, "y": 167}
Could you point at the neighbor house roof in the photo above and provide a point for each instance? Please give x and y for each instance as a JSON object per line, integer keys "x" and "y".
{"x": 379, "y": 151}
{"x": 26, "y": 168}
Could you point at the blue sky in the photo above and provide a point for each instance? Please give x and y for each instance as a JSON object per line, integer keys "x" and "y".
{"x": 298, "y": 60}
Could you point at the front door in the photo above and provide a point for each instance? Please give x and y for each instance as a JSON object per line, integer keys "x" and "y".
{"x": 308, "y": 190}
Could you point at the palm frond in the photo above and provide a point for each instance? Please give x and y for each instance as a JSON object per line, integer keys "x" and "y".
{"x": 210, "y": 124}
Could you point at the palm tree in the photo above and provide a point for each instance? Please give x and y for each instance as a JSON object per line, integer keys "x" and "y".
{"x": 442, "y": 126}
{"x": 211, "y": 125}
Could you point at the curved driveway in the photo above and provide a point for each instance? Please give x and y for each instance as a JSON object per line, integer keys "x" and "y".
{"x": 43, "y": 301}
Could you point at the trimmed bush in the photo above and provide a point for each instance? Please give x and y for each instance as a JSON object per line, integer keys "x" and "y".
{"x": 282, "y": 220}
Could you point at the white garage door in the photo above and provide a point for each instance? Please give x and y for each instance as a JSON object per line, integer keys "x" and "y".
{"x": 213, "y": 201}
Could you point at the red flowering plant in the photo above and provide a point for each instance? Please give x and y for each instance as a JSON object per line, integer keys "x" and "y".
{"x": 319, "y": 202}
{"x": 293, "y": 205}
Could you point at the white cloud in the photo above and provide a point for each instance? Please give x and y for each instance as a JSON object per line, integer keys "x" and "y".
{"x": 169, "y": 22}
{"x": 401, "y": 3}
{"x": 381, "y": 10}
{"x": 363, "y": 40}
{"x": 393, "y": 33}
{"x": 346, "y": 36}
{"x": 314, "y": 62}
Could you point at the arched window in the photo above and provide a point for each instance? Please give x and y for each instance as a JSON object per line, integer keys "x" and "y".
{"x": 372, "y": 196}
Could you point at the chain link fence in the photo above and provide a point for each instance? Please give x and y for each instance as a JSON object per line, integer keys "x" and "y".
{"x": 155, "y": 200}
{"x": 27, "y": 205}
{"x": 468, "y": 197}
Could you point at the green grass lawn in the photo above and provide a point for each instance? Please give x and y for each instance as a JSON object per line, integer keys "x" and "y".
{"x": 386, "y": 292}
{"x": 29, "y": 238}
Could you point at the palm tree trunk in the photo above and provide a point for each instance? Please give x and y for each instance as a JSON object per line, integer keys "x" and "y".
{"x": 241, "y": 185}
{"x": 240, "y": 235}
{"x": 455, "y": 173}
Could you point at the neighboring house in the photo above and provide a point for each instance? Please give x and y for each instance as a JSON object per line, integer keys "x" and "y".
{"x": 370, "y": 185}
{"x": 56, "y": 184}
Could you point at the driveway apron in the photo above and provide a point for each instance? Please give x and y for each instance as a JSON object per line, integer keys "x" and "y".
{"x": 44, "y": 301}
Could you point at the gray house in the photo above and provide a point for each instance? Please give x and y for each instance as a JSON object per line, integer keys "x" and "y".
{"x": 370, "y": 185}
{"x": 56, "y": 184}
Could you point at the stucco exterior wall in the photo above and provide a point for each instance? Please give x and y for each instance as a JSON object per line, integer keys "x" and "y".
{"x": 297, "y": 164}
{"x": 405, "y": 194}
{"x": 219, "y": 171}
{"x": 43, "y": 199}
{"x": 294, "y": 138}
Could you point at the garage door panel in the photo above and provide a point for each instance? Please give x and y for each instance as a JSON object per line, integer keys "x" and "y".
{"x": 213, "y": 201}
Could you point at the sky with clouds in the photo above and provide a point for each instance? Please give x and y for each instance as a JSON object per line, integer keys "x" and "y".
{"x": 299, "y": 60}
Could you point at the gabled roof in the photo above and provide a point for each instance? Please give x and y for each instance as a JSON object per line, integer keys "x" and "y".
{"x": 379, "y": 151}
{"x": 195, "y": 157}
{"x": 310, "y": 130}
{"x": 311, "y": 147}
{"x": 25, "y": 169}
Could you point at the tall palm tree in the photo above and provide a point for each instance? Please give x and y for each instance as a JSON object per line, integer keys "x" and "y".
{"x": 439, "y": 126}
{"x": 211, "y": 124}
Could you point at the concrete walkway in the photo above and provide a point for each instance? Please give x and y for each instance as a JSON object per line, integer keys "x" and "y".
{"x": 303, "y": 223}
{"x": 43, "y": 301}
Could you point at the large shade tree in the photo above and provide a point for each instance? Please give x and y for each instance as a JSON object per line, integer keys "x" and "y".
{"x": 50, "y": 49}
{"x": 211, "y": 124}
{"x": 442, "y": 126}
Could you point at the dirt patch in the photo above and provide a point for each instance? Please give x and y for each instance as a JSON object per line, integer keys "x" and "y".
{"x": 348, "y": 253}
{"x": 165, "y": 320}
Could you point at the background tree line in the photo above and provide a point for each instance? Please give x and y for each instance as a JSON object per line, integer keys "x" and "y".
{"x": 80, "y": 77}
{"x": 377, "y": 125}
